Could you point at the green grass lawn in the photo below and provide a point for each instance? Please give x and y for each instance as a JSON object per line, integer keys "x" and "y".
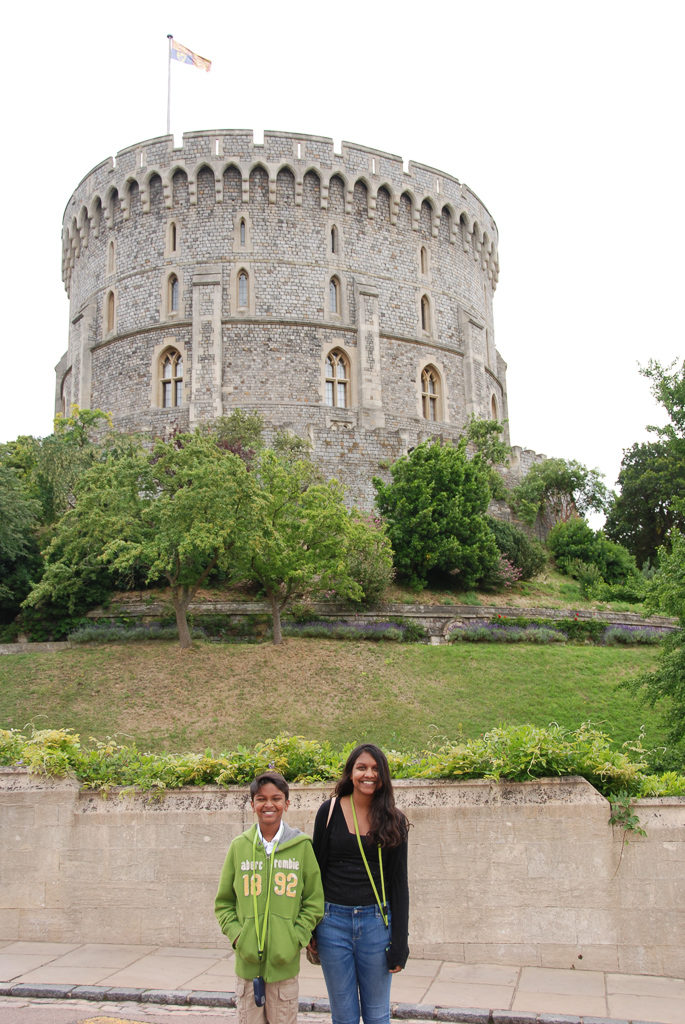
{"x": 398, "y": 695}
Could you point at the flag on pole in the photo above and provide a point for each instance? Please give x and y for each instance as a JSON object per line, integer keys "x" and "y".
{"x": 186, "y": 56}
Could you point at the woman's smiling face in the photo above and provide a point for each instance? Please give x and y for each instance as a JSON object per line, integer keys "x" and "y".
{"x": 365, "y": 778}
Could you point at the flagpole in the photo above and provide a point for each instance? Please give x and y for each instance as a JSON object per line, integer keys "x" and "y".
{"x": 168, "y": 89}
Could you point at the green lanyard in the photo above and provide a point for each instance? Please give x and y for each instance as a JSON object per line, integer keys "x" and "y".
{"x": 383, "y": 907}
{"x": 261, "y": 940}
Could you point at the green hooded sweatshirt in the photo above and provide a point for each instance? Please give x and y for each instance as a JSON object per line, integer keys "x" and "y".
{"x": 295, "y": 909}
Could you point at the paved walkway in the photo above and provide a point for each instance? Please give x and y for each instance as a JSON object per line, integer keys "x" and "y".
{"x": 477, "y": 993}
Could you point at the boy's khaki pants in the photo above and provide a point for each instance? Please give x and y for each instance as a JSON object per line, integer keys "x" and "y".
{"x": 280, "y": 1007}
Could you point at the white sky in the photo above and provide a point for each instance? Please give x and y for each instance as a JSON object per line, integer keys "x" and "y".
{"x": 566, "y": 119}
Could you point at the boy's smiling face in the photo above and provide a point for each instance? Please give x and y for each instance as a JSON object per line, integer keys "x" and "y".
{"x": 269, "y": 804}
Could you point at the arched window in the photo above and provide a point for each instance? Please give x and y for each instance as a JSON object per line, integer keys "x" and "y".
{"x": 110, "y": 312}
{"x": 430, "y": 393}
{"x": 173, "y": 237}
{"x": 425, "y": 314}
{"x": 243, "y": 289}
{"x": 334, "y": 295}
{"x": 334, "y": 239}
{"x": 171, "y": 379}
{"x": 110, "y": 257}
{"x": 424, "y": 260}
{"x": 493, "y": 408}
{"x": 173, "y": 296}
{"x": 337, "y": 379}
{"x": 243, "y": 233}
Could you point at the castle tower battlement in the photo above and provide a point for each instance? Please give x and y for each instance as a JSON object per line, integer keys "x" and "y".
{"x": 342, "y": 296}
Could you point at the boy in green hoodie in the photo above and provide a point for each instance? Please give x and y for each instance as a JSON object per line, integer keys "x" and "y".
{"x": 270, "y": 899}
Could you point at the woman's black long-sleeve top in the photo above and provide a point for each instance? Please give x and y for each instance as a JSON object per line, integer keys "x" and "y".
{"x": 332, "y": 866}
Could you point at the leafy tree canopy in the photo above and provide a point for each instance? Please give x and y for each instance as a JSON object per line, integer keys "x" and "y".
{"x": 19, "y": 556}
{"x": 435, "y": 513}
{"x": 300, "y": 534}
{"x": 668, "y": 387}
{"x": 171, "y": 513}
{"x": 643, "y": 514}
{"x": 555, "y": 490}
{"x": 666, "y": 683}
{"x": 51, "y": 465}
{"x": 667, "y": 587}
{"x": 652, "y": 475}
{"x": 486, "y": 437}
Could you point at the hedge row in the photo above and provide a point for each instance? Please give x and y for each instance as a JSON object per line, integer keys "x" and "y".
{"x": 517, "y": 753}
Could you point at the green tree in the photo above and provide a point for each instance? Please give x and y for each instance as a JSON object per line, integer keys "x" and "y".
{"x": 19, "y": 555}
{"x": 300, "y": 535}
{"x": 668, "y": 387}
{"x": 555, "y": 490}
{"x": 666, "y": 593}
{"x": 486, "y": 437}
{"x": 643, "y": 514}
{"x": 435, "y": 514}
{"x": 172, "y": 513}
{"x": 52, "y": 465}
{"x": 652, "y": 475}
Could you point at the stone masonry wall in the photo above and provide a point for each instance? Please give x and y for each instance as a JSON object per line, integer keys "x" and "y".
{"x": 292, "y": 215}
{"x": 512, "y": 873}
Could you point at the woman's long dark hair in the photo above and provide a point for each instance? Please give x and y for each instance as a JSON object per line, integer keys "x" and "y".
{"x": 388, "y": 825}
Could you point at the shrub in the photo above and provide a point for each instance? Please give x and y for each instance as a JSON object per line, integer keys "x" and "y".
{"x": 518, "y": 753}
{"x": 618, "y": 565}
{"x": 588, "y": 575}
{"x": 369, "y": 558}
{"x": 590, "y": 630}
{"x": 9, "y": 631}
{"x": 525, "y": 553}
{"x": 572, "y": 541}
{"x": 633, "y": 590}
{"x": 666, "y": 784}
{"x": 413, "y": 632}
{"x": 409, "y": 632}
{"x": 631, "y": 635}
{"x": 576, "y": 547}
{"x": 503, "y": 575}
{"x": 507, "y": 635}
{"x": 570, "y": 629}
{"x": 113, "y": 632}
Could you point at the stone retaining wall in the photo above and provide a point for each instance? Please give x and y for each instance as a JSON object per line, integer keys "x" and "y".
{"x": 437, "y": 620}
{"x": 526, "y": 874}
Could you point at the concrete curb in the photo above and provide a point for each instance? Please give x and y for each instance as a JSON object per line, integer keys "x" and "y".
{"x": 226, "y": 1000}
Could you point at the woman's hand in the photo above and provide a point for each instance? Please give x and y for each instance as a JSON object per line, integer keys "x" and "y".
{"x": 394, "y": 970}
{"x": 311, "y": 946}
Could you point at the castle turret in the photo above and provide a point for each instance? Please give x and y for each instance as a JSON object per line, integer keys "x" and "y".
{"x": 339, "y": 295}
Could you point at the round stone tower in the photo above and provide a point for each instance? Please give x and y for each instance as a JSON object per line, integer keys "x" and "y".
{"x": 339, "y": 295}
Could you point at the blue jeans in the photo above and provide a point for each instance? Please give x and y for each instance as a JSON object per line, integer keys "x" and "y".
{"x": 351, "y": 942}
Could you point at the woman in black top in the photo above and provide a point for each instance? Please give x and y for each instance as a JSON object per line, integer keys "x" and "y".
{"x": 362, "y": 939}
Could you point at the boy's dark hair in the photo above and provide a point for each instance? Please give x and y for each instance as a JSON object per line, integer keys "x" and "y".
{"x": 275, "y": 777}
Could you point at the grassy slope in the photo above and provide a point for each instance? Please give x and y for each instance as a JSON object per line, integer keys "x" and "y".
{"x": 398, "y": 695}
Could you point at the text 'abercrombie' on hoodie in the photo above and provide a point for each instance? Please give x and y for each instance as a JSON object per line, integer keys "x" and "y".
{"x": 295, "y": 908}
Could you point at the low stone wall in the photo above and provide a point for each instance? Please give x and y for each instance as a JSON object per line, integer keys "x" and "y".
{"x": 526, "y": 874}
{"x": 437, "y": 620}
